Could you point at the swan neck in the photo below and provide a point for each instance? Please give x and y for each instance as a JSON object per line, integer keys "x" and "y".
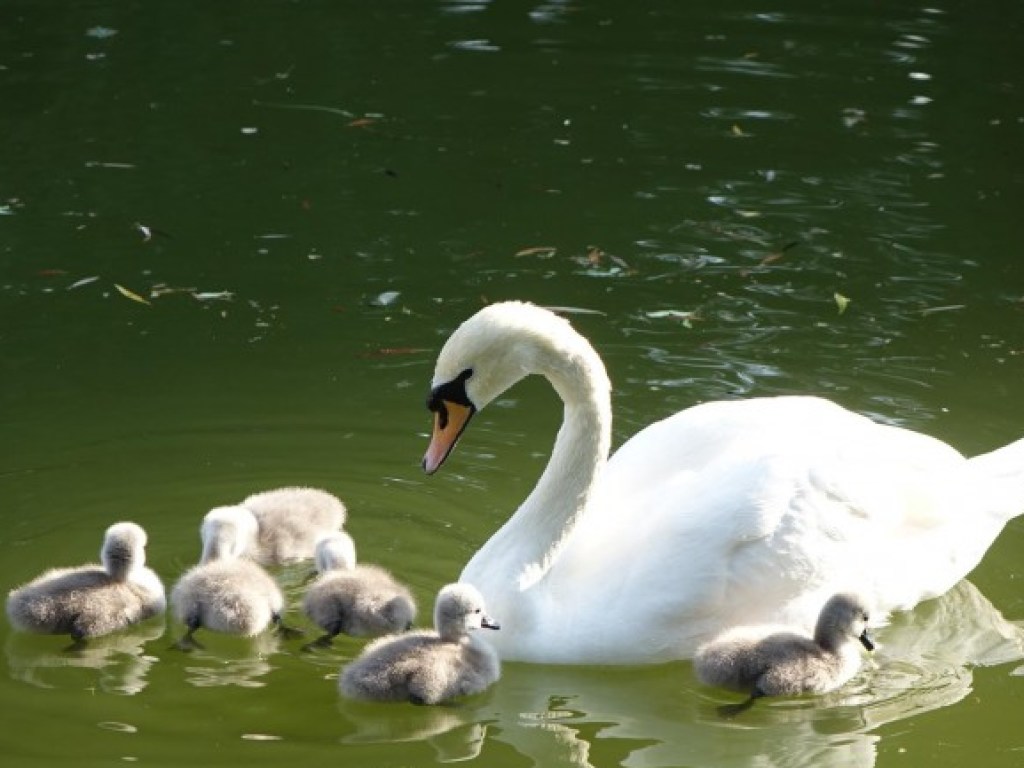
{"x": 526, "y": 547}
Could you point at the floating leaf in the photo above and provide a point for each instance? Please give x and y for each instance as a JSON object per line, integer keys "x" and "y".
{"x": 213, "y": 295}
{"x": 686, "y": 318}
{"x": 83, "y": 281}
{"x": 842, "y": 302}
{"x": 131, "y": 295}
{"x": 573, "y": 310}
{"x": 738, "y": 132}
{"x": 542, "y": 251}
{"x": 361, "y": 122}
{"x": 946, "y": 308}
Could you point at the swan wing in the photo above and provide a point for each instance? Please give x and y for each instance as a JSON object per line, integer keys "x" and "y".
{"x": 758, "y": 510}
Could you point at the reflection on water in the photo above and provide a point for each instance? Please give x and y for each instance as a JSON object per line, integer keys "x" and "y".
{"x": 120, "y": 662}
{"x": 241, "y": 662}
{"x": 567, "y": 716}
{"x": 452, "y": 732}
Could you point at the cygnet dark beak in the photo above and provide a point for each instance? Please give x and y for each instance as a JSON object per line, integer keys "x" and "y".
{"x": 488, "y": 623}
{"x": 866, "y": 641}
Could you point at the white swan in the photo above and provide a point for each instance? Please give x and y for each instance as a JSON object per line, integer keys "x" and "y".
{"x": 428, "y": 666}
{"x": 778, "y": 661}
{"x": 725, "y": 513}
{"x": 92, "y": 600}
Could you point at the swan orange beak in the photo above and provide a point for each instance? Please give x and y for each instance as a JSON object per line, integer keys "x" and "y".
{"x": 450, "y": 419}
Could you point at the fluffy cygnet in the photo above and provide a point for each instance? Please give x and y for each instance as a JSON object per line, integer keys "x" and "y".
{"x": 767, "y": 661}
{"x": 290, "y": 520}
{"x": 359, "y": 600}
{"x": 93, "y": 599}
{"x": 429, "y": 667}
{"x": 226, "y": 592}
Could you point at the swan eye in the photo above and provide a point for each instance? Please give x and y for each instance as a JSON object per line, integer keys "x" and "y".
{"x": 453, "y": 391}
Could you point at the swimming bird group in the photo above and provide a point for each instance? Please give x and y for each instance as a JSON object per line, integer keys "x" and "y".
{"x": 755, "y": 536}
{"x": 231, "y": 591}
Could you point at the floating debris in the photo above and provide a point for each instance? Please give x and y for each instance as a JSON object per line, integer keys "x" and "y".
{"x": 947, "y": 308}
{"x": 83, "y": 281}
{"x": 304, "y": 107}
{"x": 104, "y": 164}
{"x": 842, "y": 302}
{"x": 574, "y": 310}
{"x": 213, "y": 295}
{"x": 776, "y": 255}
{"x": 540, "y": 251}
{"x": 100, "y": 33}
{"x": 683, "y": 316}
{"x": 131, "y": 295}
{"x": 386, "y": 299}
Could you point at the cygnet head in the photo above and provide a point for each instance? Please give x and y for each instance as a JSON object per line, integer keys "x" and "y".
{"x": 227, "y": 532}
{"x": 335, "y": 551}
{"x": 843, "y": 617}
{"x": 123, "y": 550}
{"x": 460, "y": 609}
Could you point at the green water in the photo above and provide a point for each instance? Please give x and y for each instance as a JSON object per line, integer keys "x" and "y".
{"x": 268, "y": 175}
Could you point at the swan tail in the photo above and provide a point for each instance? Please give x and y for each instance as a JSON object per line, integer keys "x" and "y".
{"x": 1000, "y": 477}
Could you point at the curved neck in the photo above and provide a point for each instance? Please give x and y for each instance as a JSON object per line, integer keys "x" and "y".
{"x": 524, "y": 549}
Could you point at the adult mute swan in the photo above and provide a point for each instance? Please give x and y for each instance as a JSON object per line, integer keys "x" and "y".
{"x": 727, "y": 513}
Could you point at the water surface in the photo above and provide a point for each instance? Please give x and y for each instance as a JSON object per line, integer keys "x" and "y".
{"x": 745, "y": 200}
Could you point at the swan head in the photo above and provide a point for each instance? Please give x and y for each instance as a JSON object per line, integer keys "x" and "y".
{"x": 490, "y": 352}
{"x": 844, "y": 616}
{"x": 335, "y": 551}
{"x": 460, "y": 609}
{"x": 227, "y": 532}
{"x": 123, "y": 550}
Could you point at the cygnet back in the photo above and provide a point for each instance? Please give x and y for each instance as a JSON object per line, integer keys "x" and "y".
{"x": 429, "y": 667}
{"x": 768, "y": 661}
